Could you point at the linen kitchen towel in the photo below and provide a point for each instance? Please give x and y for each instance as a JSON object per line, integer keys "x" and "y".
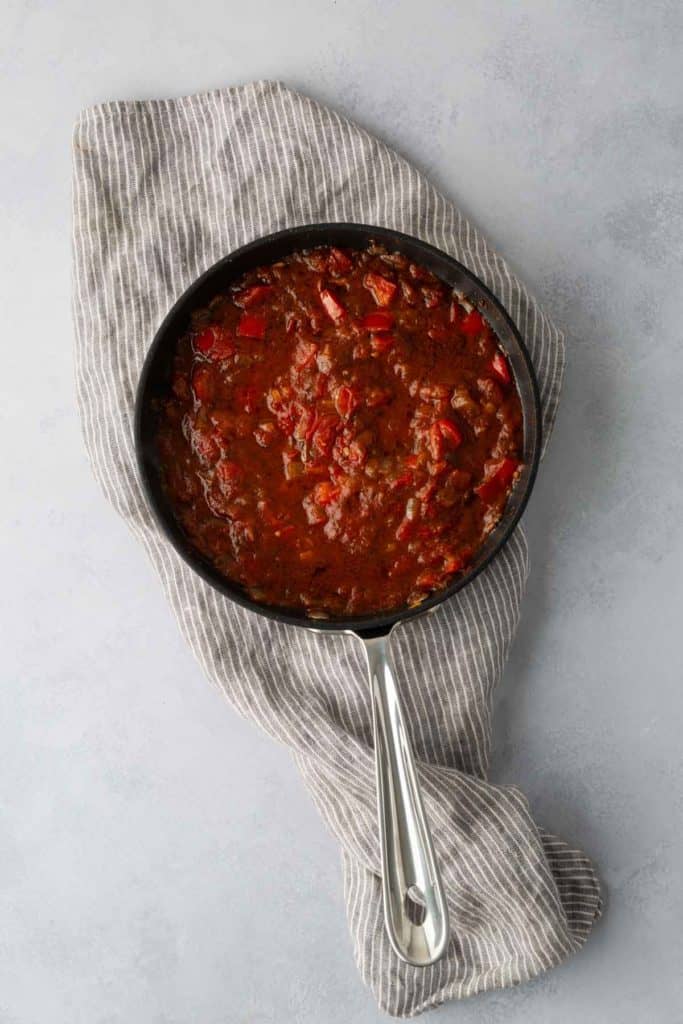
{"x": 161, "y": 190}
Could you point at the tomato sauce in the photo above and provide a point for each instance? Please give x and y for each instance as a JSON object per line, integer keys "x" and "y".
{"x": 341, "y": 432}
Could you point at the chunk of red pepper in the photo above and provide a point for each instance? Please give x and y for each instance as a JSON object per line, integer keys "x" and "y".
{"x": 345, "y": 400}
{"x": 473, "y": 324}
{"x": 498, "y": 480}
{"x": 443, "y": 432}
{"x": 253, "y": 296}
{"x": 214, "y": 342}
{"x": 332, "y": 305}
{"x": 500, "y": 368}
{"x": 339, "y": 262}
{"x": 203, "y": 342}
{"x": 252, "y": 325}
{"x": 383, "y": 290}
{"x": 377, "y": 322}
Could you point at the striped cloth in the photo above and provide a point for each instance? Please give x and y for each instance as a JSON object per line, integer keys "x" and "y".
{"x": 161, "y": 190}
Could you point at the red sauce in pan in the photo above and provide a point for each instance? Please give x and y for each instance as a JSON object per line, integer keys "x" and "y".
{"x": 342, "y": 432}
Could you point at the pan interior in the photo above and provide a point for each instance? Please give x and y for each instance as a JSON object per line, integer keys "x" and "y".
{"x": 154, "y": 383}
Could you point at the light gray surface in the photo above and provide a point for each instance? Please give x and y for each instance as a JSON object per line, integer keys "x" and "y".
{"x": 159, "y": 860}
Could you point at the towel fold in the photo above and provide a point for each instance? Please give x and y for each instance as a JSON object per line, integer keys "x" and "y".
{"x": 161, "y": 190}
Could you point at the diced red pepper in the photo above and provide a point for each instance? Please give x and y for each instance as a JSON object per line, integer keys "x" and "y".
{"x": 473, "y": 324}
{"x": 497, "y": 481}
{"x": 254, "y": 295}
{"x": 214, "y": 342}
{"x": 345, "y": 400}
{"x": 252, "y": 325}
{"x": 499, "y": 365}
{"x": 332, "y": 305}
{"x": 381, "y": 343}
{"x": 450, "y": 432}
{"x": 412, "y": 460}
{"x": 443, "y": 432}
{"x": 382, "y": 289}
{"x": 379, "y": 321}
{"x": 203, "y": 342}
{"x": 435, "y": 441}
{"x": 339, "y": 262}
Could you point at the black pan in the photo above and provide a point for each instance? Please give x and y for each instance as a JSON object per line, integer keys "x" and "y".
{"x": 415, "y": 910}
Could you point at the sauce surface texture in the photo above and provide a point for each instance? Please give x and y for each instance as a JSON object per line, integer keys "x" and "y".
{"x": 341, "y": 434}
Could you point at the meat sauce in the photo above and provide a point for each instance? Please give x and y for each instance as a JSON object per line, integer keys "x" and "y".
{"x": 341, "y": 433}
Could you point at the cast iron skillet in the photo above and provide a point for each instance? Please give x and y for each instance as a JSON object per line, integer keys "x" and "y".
{"x": 415, "y": 911}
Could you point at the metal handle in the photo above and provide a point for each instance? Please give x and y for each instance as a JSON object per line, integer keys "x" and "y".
{"x": 415, "y": 911}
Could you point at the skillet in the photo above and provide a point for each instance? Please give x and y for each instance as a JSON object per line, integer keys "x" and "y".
{"x": 415, "y": 911}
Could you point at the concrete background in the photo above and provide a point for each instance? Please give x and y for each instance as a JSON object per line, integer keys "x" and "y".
{"x": 160, "y": 862}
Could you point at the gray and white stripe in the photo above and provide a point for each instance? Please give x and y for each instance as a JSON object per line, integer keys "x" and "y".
{"x": 161, "y": 190}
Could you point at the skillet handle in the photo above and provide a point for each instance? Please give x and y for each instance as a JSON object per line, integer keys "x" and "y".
{"x": 415, "y": 911}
